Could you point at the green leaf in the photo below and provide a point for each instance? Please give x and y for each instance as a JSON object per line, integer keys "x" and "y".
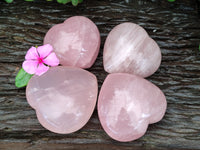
{"x": 22, "y": 78}
{"x": 59, "y": 1}
{"x": 75, "y": 2}
{"x": 9, "y": 1}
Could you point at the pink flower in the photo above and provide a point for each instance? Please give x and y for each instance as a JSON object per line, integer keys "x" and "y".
{"x": 39, "y": 59}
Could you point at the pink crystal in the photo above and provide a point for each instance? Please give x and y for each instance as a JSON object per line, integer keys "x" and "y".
{"x": 64, "y": 98}
{"x": 76, "y": 42}
{"x": 129, "y": 49}
{"x": 127, "y": 104}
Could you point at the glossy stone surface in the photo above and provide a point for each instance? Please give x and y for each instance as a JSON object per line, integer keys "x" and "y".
{"x": 64, "y": 98}
{"x": 76, "y": 42}
{"x": 127, "y": 104}
{"x": 129, "y": 49}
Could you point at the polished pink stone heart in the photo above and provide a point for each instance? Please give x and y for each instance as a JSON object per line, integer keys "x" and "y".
{"x": 129, "y": 49}
{"x": 76, "y": 42}
{"x": 127, "y": 104}
{"x": 64, "y": 98}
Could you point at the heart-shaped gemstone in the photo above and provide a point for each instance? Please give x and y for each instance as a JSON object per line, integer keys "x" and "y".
{"x": 64, "y": 98}
{"x": 127, "y": 104}
{"x": 76, "y": 42}
{"x": 129, "y": 49}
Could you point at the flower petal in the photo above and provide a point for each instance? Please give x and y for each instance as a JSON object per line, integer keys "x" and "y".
{"x": 51, "y": 60}
{"x": 44, "y": 50}
{"x": 31, "y": 54}
{"x": 41, "y": 69}
{"x": 30, "y": 66}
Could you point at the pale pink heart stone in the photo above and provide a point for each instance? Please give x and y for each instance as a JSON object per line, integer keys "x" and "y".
{"x": 129, "y": 49}
{"x": 64, "y": 98}
{"x": 76, "y": 42}
{"x": 127, "y": 104}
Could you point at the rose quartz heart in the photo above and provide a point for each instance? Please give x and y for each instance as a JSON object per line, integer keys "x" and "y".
{"x": 76, "y": 42}
{"x": 127, "y": 104}
{"x": 129, "y": 49}
{"x": 64, "y": 98}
